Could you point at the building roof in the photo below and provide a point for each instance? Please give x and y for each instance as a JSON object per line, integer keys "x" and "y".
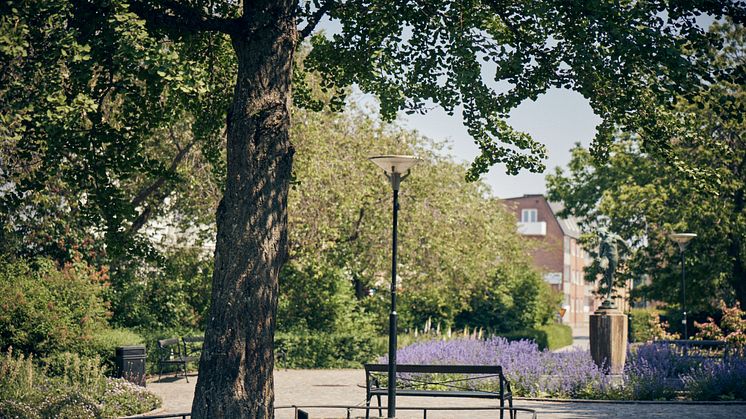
{"x": 569, "y": 225}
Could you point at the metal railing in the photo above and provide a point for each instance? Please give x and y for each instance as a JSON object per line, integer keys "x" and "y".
{"x": 301, "y": 412}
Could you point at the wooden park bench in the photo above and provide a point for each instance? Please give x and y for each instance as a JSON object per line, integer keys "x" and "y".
{"x": 437, "y": 381}
{"x": 171, "y": 352}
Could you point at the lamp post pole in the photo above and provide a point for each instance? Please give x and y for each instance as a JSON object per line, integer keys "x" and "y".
{"x": 683, "y": 240}
{"x": 393, "y": 316}
{"x": 683, "y": 291}
{"x": 393, "y": 166}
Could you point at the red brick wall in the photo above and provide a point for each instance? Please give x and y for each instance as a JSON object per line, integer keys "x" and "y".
{"x": 548, "y": 253}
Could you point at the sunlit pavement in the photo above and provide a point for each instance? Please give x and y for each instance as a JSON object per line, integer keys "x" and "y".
{"x": 346, "y": 387}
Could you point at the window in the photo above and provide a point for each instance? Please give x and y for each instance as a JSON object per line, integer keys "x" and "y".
{"x": 529, "y": 215}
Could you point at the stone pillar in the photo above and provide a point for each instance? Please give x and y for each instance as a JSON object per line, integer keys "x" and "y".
{"x": 609, "y": 339}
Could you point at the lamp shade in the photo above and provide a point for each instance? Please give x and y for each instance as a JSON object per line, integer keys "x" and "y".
{"x": 682, "y": 238}
{"x": 394, "y": 163}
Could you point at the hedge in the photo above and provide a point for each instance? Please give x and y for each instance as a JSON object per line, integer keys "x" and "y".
{"x": 551, "y": 336}
{"x": 313, "y": 349}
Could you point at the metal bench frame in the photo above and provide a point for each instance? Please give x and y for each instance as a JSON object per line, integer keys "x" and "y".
{"x": 373, "y": 387}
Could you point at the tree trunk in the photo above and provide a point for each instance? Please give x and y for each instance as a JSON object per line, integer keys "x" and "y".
{"x": 235, "y": 370}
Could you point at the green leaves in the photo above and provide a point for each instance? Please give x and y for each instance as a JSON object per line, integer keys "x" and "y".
{"x": 698, "y": 186}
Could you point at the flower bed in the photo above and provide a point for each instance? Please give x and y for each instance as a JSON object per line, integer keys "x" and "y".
{"x": 79, "y": 390}
{"x": 653, "y": 372}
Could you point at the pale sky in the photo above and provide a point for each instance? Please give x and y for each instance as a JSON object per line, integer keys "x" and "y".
{"x": 558, "y": 119}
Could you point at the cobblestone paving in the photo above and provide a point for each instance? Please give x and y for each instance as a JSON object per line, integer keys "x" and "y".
{"x": 346, "y": 387}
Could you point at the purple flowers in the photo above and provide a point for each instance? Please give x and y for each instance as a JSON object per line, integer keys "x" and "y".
{"x": 530, "y": 371}
{"x": 653, "y": 371}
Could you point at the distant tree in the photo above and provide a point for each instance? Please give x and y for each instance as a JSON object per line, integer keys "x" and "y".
{"x": 625, "y": 57}
{"x": 645, "y": 199}
{"x": 454, "y": 238}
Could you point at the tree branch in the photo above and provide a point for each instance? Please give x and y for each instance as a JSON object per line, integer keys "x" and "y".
{"x": 153, "y": 187}
{"x": 173, "y": 15}
{"x": 314, "y": 19}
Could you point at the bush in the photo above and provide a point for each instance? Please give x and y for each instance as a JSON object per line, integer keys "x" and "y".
{"x": 76, "y": 388}
{"x": 644, "y": 324}
{"x": 515, "y": 298}
{"x": 531, "y": 372}
{"x": 173, "y": 293}
{"x": 103, "y": 344}
{"x": 314, "y": 349}
{"x": 552, "y": 336}
{"x": 732, "y": 327}
{"x": 46, "y": 309}
{"x": 652, "y": 372}
{"x": 717, "y": 381}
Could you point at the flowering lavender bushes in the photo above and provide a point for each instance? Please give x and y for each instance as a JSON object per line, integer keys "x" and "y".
{"x": 653, "y": 372}
{"x": 531, "y": 372}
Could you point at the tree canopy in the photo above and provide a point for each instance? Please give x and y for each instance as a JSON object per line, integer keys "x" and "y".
{"x": 644, "y": 199}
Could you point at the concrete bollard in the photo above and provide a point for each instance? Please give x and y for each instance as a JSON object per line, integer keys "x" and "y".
{"x": 608, "y": 335}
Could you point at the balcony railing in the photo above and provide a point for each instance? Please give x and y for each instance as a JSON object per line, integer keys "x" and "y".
{"x": 538, "y": 228}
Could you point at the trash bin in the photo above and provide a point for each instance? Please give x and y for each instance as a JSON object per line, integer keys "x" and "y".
{"x": 130, "y": 364}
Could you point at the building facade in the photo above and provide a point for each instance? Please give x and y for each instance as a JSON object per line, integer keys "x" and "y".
{"x": 556, "y": 253}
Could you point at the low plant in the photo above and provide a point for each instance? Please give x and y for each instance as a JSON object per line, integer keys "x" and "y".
{"x": 550, "y": 336}
{"x": 732, "y": 327}
{"x": 531, "y": 371}
{"x": 74, "y": 388}
{"x": 653, "y": 371}
{"x": 46, "y": 308}
{"x": 717, "y": 380}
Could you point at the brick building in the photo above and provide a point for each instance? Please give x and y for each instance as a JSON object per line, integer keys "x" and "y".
{"x": 557, "y": 253}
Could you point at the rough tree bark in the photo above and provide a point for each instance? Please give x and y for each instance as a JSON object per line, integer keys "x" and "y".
{"x": 235, "y": 379}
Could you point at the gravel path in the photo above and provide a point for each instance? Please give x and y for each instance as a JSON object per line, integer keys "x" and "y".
{"x": 346, "y": 387}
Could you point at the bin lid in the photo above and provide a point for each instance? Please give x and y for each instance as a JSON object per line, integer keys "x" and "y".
{"x": 130, "y": 350}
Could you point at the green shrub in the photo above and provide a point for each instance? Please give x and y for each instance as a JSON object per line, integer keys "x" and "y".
{"x": 515, "y": 298}
{"x": 46, "y": 309}
{"x": 314, "y": 349}
{"x": 103, "y": 344}
{"x": 640, "y": 324}
{"x": 74, "y": 388}
{"x": 551, "y": 336}
{"x": 172, "y": 293}
{"x": 72, "y": 405}
{"x": 15, "y": 409}
{"x": 16, "y": 376}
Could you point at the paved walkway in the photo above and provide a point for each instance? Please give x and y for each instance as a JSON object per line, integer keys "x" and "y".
{"x": 346, "y": 387}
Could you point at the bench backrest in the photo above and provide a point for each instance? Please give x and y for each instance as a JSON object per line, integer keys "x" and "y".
{"x": 193, "y": 345}
{"x": 437, "y": 369}
{"x": 169, "y": 349}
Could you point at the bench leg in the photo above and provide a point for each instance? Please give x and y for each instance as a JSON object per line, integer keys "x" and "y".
{"x": 367, "y": 407}
{"x": 513, "y": 413}
{"x": 380, "y": 411}
{"x": 184, "y": 365}
{"x": 502, "y": 407}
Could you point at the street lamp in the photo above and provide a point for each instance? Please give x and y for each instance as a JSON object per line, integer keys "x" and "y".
{"x": 394, "y": 166}
{"x": 683, "y": 240}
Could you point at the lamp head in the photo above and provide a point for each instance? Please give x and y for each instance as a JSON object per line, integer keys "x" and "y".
{"x": 682, "y": 239}
{"x": 395, "y": 166}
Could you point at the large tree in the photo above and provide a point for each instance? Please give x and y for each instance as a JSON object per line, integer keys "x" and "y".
{"x": 625, "y": 57}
